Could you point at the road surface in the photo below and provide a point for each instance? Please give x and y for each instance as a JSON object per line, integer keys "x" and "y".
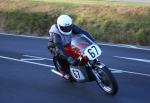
{"x": 26, "y": 77}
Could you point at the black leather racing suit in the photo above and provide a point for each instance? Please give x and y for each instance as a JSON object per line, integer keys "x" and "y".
{"x": 56, "y": 43}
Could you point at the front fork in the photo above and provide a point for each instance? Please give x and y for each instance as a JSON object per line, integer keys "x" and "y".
{"x": 94, "y": 66}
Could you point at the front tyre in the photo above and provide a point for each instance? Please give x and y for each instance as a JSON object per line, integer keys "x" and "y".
{"x": 106, "y": 80}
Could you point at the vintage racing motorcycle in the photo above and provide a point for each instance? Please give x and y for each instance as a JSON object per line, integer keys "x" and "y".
{"x": 89, "y": 68}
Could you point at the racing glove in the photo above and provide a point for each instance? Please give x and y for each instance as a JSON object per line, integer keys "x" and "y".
{"x": 71, "y": 61}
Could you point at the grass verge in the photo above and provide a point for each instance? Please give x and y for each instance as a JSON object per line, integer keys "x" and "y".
{"x": 106, "y": 21}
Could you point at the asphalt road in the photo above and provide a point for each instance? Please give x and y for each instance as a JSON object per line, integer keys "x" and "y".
{"x": 26, "y": 77}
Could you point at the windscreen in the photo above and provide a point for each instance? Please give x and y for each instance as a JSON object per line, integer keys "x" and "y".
{"x": 81, "y": 42}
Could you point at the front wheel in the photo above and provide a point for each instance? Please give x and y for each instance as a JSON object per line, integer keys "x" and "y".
{"x": 106, "y": 80}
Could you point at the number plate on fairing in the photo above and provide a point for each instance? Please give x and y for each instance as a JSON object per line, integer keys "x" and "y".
{"x": 92, "y": 52}
{"x": 77, "y": 74}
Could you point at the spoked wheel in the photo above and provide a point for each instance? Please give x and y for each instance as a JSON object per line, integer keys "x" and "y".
{"x": 106, "y": 80}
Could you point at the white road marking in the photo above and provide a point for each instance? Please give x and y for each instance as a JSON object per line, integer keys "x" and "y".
{"x": 125, "y": 46}
{"x": 116, "y": 70}
{"x": 9, "y": 58}
{"x": 31, "y": 59}
{"x": 107, "y": 44}
{"x": 35, "y": 37}
{"x": 119, "y": 45}
{"x": 36, "y": 57}
{"x": 123, "y": 71}
{"x": 51, "y": 66}
{"x": 135, "y": 59}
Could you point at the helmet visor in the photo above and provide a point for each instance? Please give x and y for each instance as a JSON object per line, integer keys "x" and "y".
{"x": 66, "y": 28}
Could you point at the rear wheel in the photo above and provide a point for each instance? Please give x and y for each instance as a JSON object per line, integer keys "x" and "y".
{"x": 106, "y": 80}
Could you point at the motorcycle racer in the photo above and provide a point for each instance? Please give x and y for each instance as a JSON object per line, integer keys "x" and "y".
{"x": 60, "y": 34}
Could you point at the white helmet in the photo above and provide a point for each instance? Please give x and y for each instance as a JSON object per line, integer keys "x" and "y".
{"x": 64, "y": 24}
